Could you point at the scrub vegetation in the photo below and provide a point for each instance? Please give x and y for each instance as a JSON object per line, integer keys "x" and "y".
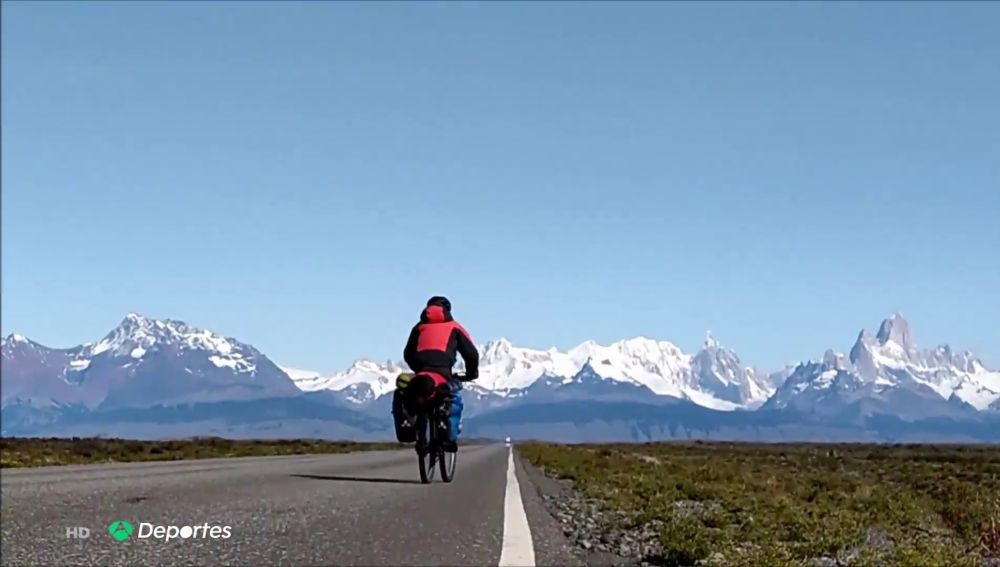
{"x": 33, "y": 452}
{"x": 790, "y": 504}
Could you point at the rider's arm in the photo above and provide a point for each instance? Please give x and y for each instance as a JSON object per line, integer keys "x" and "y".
{"x": 467, "y": 349}
{"x": 410, "y": 351}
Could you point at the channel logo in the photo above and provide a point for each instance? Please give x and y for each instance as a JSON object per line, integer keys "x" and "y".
{"x": 122, "y": 530}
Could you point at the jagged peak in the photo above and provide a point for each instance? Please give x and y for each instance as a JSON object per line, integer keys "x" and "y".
{"x": 498, "y": 346}
{"x": 833, "y": 359}
{"x": 862, "y": 344}
{"x": 830, "y": 357}
{"x": 710, "y": 341}
{"x": 16, "y": 340}
{"x": 896, "y": 329}
{"x": 136, "y": 333}
{"x": 164, "y": 323}
{"x": 135, "y": 320}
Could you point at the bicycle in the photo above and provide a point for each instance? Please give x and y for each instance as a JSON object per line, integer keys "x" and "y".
{"x": 430, "y": 452}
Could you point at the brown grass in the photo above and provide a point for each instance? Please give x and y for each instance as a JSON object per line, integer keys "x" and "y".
{"x": 757, "y": 504}
{"x": 34, "y": 452}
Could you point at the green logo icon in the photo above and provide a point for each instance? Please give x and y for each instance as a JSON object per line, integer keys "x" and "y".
{"x": 120, "y": 530}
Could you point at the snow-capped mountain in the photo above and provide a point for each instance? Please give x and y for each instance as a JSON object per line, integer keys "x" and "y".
{"x": 34, "y": 375}
{"x": 136, "y": 335}
{"x": 888, "y": 373}
{"x": 159, "y": 378}
{"x": 142, "y": 362}
{"x": 713, "y": 377}
{"x": 719, "y": 371}
{"x": 364, "y": 381}
{"x": 504, "y": 367}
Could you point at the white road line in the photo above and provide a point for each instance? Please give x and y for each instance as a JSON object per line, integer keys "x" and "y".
{"x": 518, "y": 550}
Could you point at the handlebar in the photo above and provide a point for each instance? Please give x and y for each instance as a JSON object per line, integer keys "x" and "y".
{"x": 460, "y": 377}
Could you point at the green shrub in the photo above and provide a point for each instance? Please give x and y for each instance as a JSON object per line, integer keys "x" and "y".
{"x": 778, "y": 504}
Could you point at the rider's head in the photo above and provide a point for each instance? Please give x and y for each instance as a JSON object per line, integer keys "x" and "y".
{"x": 440, "y": 300}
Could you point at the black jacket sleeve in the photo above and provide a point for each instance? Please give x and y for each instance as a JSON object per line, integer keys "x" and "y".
{"x": 470, "y": 355}
{"x": 410, "y": 351}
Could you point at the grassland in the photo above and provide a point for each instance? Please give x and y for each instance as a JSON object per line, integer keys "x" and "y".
{"x": 748, "y": 504}
{"x": 33, "y": 452}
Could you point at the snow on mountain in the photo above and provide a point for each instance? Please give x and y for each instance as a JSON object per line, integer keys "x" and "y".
{"x": 11, "y": 340}
{"x": 713, "y": 377}
{"x": 137, "y": 334}
{"x": 380, "y": 378}
{"x": 880, "y": 366}
{"x": 141, "y": 362}
{"x": 33, "y": 374}
{"x": 146, "y": 362}
{"x": 14, "y": 346}
{"x": 657, "y": 365}
{"x": 504, "y": 367}
{"x": 720, "y": 372}
{"x": 299, "y": 375}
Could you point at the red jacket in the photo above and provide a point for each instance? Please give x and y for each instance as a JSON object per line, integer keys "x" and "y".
{"x": 436, "y": 341}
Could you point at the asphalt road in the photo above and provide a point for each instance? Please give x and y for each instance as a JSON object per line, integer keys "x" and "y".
{"x": 364, "y": 508}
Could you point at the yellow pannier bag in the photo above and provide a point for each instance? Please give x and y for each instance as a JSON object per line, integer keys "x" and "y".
{"x": 403, "y": 380}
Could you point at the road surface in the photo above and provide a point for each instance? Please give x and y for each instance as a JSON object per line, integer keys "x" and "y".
{"x": 365, "y": 508}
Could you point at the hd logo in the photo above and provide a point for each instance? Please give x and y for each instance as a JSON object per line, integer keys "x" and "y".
{"x": 122, "y": 530}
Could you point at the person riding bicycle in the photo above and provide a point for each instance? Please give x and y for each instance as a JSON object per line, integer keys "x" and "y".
{"x": 430, "y": 353}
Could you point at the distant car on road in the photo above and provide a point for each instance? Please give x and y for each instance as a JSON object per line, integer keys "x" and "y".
{"x": 507, "y": 441}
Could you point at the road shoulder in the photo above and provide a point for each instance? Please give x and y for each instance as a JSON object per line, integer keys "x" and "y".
{"x": 552, "y": 547}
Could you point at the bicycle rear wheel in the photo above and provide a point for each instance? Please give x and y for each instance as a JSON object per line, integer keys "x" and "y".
{"x": 448, "y": 461}
{"x": 426, "y": 450}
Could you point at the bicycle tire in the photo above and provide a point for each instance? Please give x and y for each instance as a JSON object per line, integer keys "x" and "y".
{"x": 426, "y": 451}
{"x": 446, "y": 459}
{"x": 448, "y": 463}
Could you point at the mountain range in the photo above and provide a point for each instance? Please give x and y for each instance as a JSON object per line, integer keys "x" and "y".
{"x": 714, "y": 377}
{"x": 155, "y": 378}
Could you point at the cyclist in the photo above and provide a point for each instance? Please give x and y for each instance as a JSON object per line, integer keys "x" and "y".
{"x": 431, "y": 350}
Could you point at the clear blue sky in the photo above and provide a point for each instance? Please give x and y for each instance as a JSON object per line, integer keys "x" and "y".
{"x": 303, "y": 176}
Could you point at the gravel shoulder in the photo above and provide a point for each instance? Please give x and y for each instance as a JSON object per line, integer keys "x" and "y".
{"x": 579, "y": 531}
